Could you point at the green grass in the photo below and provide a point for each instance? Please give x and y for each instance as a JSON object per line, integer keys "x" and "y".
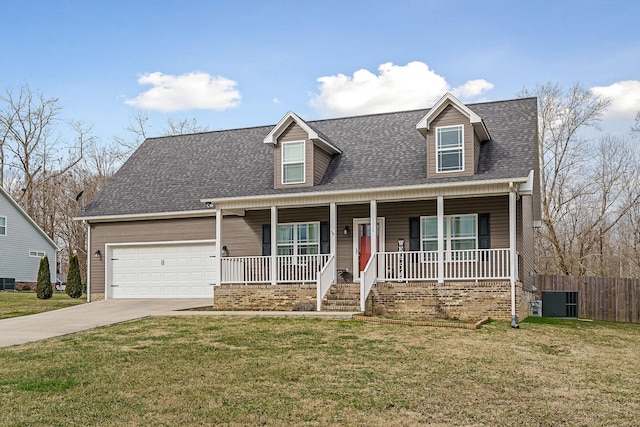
{"x": 14, "y": 304}
{"x": 264, "y": 371}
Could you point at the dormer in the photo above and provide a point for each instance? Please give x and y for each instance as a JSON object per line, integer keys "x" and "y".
{"x": 453, "y": 134}
{"x": 301, "y": 153}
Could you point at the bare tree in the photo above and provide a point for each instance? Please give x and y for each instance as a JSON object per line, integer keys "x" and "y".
{"x": 564, "y": 153}
{"x": 184, "y": 126}
{"x": 635, "y": 129}
{"x": 137, "y": 130}
{"x": 33, "y": 149}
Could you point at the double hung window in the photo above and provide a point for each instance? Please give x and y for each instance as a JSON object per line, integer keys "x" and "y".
{"x": 460, "y": 233}
{"x": 3, "y": 226}
{"x": 299, "y": 238}
{"x": 293, "y": 162}
{"x": 450, "y": 149}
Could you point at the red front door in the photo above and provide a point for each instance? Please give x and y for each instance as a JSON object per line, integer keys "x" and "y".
{"x": 364, "y": 244}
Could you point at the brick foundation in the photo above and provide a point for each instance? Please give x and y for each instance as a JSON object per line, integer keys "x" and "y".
{"x": 467, "y": 301}
{"x": 265, "y": 297}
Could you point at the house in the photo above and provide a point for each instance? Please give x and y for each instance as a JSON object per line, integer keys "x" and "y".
{"x": 22, "y": 245}
{"x": 280, "y": 216}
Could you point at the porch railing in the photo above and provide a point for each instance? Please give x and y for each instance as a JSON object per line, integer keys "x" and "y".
{"x": 473, "y": 264}
{"x": 246, "y": 269}
{"x": 368, "y": 278}
{"x": 326, "y": 278}
{"x": 257, "y": 269}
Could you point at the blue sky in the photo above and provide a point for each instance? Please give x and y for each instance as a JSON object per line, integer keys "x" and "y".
{"x": 246, "y": 63}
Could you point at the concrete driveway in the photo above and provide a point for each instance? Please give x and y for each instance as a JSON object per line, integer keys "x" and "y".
{"x": 20, "y": 330}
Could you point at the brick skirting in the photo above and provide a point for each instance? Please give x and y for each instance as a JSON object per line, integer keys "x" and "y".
{"x": 265, "y": 297}
{"x": 466, "y": 301}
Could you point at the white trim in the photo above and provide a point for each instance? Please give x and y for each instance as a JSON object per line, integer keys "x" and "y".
{"x": 526, "y": 188}
{"x": 218, "y": 227}
{"x": 108, "y": 251}
{"x": 440, "y": 216}
{"x": 438, "y": 149}
{"x": 291, "y": 117}
{"x": 512, "y": 251}
{"x": 274, "y": 244}
{"x": 356, "y": 241}
{"x": 296, "y": 242}
{"x": 304, "y": 162}
{"x": 360, "y": 195}
{"x": 448, "y": 99}
{"x": 147, "y": 216}
{"x": 89, "y": 257}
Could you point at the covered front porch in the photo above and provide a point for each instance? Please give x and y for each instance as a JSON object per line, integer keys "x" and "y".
{"x": 415, "y": 243}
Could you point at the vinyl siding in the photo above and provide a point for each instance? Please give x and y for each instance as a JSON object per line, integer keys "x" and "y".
{"x": 450, "y": 116}
{"x": 21, "y": 238}
{"x": 243, "y": 235}
{"x": 526, "y": 245}
{"x": 294, "y": 133}
{"x": 321, "y": 160}
{"x": 166, "y": 230}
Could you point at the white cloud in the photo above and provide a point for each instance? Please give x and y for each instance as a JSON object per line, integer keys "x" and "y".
{"x": 395, "y": 88}
{"x": 188, "y": 91}
{"x": 472, "y": 88}
{"x": 625, "y": 98}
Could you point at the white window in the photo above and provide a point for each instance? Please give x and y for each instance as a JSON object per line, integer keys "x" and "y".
{"x": 460, "y": 233}
{"x": 293, "y": 162}
{"x": 37, "y": 254}
{"x": 450, "y": 148}
{"x": 299, "y": 238}
{"x": 3, "y": 226}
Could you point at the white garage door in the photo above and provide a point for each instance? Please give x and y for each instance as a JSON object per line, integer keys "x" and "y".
{"x": 163, "y": 271}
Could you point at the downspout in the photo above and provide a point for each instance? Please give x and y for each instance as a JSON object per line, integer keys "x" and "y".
{"x": 512, "y": 252}
{"x": 88, "y": 261}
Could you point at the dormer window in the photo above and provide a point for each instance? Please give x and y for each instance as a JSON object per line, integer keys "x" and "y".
{"x": 293, "y": 160}
{"x": 450, "y": 148}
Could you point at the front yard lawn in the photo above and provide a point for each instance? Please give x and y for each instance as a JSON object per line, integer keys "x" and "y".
{"x": 14, "y": 304}
{"x": 200, "y": 371}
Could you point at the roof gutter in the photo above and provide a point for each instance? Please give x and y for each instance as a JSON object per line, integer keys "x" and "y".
{"x": 156, "y": 215}
{"x": 372, "y": 191}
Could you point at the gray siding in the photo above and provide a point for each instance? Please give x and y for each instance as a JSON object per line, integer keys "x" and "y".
{"x": 21, "y": 238}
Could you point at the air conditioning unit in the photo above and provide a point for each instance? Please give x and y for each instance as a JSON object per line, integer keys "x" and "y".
{"x": 536, "y": 308}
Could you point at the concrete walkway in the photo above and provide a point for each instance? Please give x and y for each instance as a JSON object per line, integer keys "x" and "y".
{"x": 20, "y": 330}
{"x": 24, "y": 329}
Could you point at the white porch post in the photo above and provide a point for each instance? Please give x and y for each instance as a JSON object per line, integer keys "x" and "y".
{"x": 219, "y": 244}
{"x": 333, "y": 234}
{"x": 89, "y": 257}
{"x": 274, "y": 245}
{"x": 374, "y": 226}
{"x": 440, "y": 213}
{"x": 512, "y": 252}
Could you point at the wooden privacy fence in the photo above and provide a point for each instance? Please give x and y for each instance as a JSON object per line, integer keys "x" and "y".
{"x": 599, "y": 298}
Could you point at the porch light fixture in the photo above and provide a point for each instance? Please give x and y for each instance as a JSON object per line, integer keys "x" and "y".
{"x": 225, "y": 251}
{"x": 345, "y": 231}
{"x": 97, "y": 254}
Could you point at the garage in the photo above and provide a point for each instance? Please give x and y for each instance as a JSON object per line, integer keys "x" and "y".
{"x": 162, "y": 270}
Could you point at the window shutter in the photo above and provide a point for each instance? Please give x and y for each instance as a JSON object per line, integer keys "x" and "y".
{"x": 414, "y": 234}
{"x": 324, "y": 238}
{"x": 266, "y": 239}
{"x": 484, "y": 232}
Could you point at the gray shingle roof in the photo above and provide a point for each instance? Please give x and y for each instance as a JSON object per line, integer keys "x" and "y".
{"x": 172, "y": 174}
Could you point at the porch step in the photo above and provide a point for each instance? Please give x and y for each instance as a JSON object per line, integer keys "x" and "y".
{"x": 342, "y": 297}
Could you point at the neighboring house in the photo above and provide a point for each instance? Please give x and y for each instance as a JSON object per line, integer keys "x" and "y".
{"x": 22, "y": 245}
{"x": 280, "y": 217}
